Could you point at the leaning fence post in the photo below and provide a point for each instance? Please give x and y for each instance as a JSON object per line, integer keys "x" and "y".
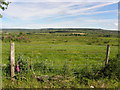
{"x": 107, "y": 54}
{"x": 12, "y": 60}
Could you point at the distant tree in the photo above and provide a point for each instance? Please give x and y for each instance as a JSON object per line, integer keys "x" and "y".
{"x": 3, "y": 5}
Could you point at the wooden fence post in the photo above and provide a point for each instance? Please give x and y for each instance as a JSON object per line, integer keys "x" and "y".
{"x": 12, "y": 60}
{"x": 107, "y": 55}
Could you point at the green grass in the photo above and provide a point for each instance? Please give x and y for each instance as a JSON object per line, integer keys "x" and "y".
{"x": 57, "y": 50}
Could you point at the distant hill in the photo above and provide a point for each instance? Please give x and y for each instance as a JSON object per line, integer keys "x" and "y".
{"x": 88, "y": 31}
{"x": 18, "y": 29}
{"x": 62, "y": 30}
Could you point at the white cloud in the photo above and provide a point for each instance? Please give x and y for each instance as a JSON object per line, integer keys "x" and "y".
{"x": 30, "y": 11}
{"x": 102, "y": 20}
{"x": 116, "y": 24}
{"x": 42, "y": 10}
{"x": 93, "y": 7}
{"x": 77, "y": 23}
{"x": 100, "y": 12}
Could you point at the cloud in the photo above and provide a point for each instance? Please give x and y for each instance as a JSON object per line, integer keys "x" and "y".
{"x": 85, "y": 22}
{"x": 116, "y": 24}
{"x": 88, "y": 13}
{"x": 42, "y": 10}
{"x": 100, "y": 12}
{"x": 102, "y": 20}
{"x": 30, "y": 14}
{"x": 93, "y": 7}
{"x": 32, "y": 10}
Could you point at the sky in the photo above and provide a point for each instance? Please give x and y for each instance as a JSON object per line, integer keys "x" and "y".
{"x": 61, "y": 14}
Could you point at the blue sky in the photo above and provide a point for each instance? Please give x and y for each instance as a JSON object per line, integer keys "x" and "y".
{"x": 61, "y": 14}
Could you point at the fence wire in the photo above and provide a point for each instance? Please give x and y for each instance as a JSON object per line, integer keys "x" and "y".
{"x": 59, "y": 58}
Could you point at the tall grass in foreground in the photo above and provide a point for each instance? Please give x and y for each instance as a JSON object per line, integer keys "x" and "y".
{"x": 69, "y": 75}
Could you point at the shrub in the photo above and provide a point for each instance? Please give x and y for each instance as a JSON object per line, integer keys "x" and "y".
{"x": 23, "y": 64}
{"x": 111, "y": 70}
{"x": 15, "y": 37}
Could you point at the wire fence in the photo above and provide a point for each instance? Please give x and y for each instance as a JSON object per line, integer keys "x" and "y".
{"x": 71, "y": 51}
{"x": 58, "y": 58}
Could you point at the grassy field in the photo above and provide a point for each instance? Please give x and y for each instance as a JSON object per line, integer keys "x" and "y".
{"x": 68, "y": 58}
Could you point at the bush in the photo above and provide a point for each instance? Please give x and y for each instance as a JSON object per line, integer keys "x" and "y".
{"x": 112, "y": 70}
{"x": 15, "y": 37}
{"x": 23, "y": 64}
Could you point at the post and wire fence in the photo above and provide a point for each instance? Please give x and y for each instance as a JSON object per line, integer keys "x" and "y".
{"x": 12, "y": 58}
